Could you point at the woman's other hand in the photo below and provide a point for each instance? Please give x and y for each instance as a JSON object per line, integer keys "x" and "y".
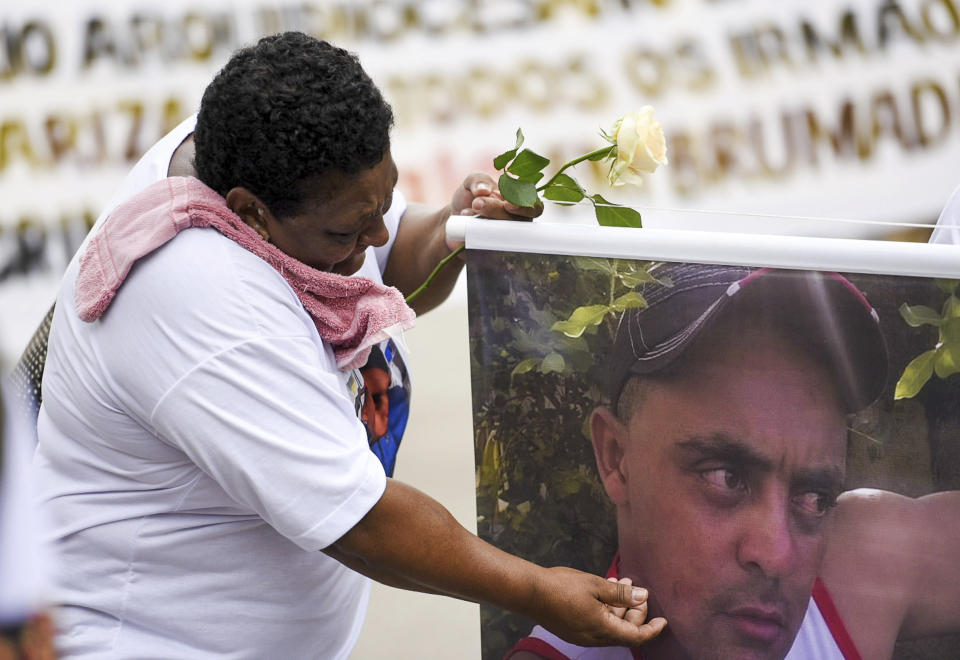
{"x": 478, "y": 195}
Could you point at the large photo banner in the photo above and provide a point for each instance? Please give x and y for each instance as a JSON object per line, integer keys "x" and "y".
{"x": 830, "y": 109}
{"x": 773, "y": 453}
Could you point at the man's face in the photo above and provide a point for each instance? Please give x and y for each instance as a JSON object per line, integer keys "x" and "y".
{"x": 723, "y": 477}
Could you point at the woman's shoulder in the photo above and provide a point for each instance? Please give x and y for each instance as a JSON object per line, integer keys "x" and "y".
{"x": 204, "y": 277}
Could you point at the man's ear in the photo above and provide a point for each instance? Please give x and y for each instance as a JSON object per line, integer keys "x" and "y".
{"x": 251, "y": 210}
{"x": 609, "y": 437}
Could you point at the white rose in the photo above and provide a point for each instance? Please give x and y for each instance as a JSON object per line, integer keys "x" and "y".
{"x": 641, "y": 147}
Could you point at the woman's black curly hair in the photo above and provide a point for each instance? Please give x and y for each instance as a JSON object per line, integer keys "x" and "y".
{"x": 289, "y": 108}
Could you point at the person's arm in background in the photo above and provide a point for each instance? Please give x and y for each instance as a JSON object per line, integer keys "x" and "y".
{"x": 421, "y": 241}
{"x": 891, "y": 567}
{"x": 409, "y": 540}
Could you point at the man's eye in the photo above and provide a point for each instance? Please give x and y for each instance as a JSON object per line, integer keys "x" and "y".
{"x": 814, "y": 503}
{"x": 724, "y": 478}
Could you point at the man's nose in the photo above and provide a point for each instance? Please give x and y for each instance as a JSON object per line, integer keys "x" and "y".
{"x": 767, "y": 541}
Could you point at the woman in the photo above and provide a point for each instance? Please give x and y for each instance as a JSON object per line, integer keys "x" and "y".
{"x": 199, "y": 440}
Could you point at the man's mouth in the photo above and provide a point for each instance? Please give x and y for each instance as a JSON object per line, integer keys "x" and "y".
{"x": 764, "y": 623}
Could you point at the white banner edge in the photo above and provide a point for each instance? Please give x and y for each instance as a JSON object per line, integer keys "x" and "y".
{"x": 689, "y": 246}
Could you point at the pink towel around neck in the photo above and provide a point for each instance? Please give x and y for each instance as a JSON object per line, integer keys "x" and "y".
{"x": 351, "y": 313}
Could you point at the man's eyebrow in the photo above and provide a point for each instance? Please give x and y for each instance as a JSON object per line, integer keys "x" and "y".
{"x": 721, "y": 446}
{"x": 829, "y": 478}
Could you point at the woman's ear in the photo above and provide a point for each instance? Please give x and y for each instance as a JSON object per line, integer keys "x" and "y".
{"x": 609, "y": 436}
{"x": 251, "y": 210}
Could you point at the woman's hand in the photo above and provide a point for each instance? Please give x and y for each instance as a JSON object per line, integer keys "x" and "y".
{"x": 478, "y": 195}
{"x": 409, "y": 540}
{"x": 589, "y": 611}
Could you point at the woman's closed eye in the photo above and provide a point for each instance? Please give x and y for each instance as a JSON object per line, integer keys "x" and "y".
{"x": 343, "y": 237}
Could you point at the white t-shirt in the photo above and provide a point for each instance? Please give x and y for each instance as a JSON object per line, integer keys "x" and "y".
{"x": 24, "y": 561}
{"x": 197, "y": 448}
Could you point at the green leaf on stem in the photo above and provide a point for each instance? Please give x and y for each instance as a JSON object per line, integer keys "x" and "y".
{"x": 600, "y": 155}
{"x": 564, "y": 189}
{"x": 634, "y": 278}
{"x": 581, "y": 318}
{"x": 951, "y": 308}
{"x": 594, "y": 264}
{"x": 915, "y": 375}
{"x": 519, "y": 193}
{"x": 553, "y": 362}
{"x": 501, "y": 161}
{"x": 524, "y": 366}
{"x": 917, "y": 315}
{"x": 614, "y": 215}
{"x": 947, "y": 362}
{"x": 528, "y": 164}
{"x": 948, "y": 353}
{"x": 947, "y": 286}
{"x": 631, "y": 300}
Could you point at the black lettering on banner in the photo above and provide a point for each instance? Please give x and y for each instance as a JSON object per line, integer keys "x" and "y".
{"x": 886, "y": 119}
{"x": 546, "y": 9}
{"x": 724, "y": 141}
{"x": 385, "y": 21}
{"x": 482, "y": 91}
{"x": 849, "y": 37}
{"x": 33, "y": 245}
{"x": 195, "y": 36}
{"x": 173, "y": 113}
{"x": 98, "y": 41}
{"x": 647, "y": 70}
{"x": 29, "y": 243}
{"x": 684, "y": 65}
{"x": 685, "y": 171}
{"x": 328, "y": 22}
{"x": 135, "y": 111}
{"x": 441, "y": 97}
{"x": 759, "y": 49}
{"x": 27, "y": 49}
{"x": 534, "y": 85}
{"x": 763, "y": 151}
{"x": 15, "y": 144}
{"x": 892, "y": 22}
{"x": 935, "y": 12}
{"x": 393, "y": 20}
{"x": 38, "y": 49}
{"x": 842, "y": 138}
{"x": 582, "y": 87}
{"x": 147, "y": 34}
{"x": 931, "y": 91}
{"x": 204, "y": 32}
{"x": 63, "y": 136}
{"x": 905, "y": 118}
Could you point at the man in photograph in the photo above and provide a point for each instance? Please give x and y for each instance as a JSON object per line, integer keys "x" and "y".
{"x": 723, "y": 450}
